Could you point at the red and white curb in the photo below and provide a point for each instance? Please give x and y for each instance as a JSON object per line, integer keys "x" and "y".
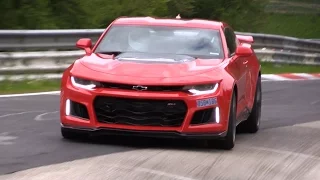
{"x": 290, "y": 77}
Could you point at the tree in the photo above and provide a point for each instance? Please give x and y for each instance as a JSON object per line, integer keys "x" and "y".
{"x": 103, "y": 12}
{"x": 68, "y": 14}
{"x": 242, "y": 15}
{"x": 25, "y": 14}
{"x": 183, "y": 7}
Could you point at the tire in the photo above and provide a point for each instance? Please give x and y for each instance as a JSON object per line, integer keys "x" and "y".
{"x": 252, "y": 124}
{"x": 66, "y": 134}
{"x": 228, "y": 142}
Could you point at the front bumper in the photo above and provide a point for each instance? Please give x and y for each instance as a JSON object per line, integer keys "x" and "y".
{"x": 186, "y": 129}
{"x": 139, "y": 133}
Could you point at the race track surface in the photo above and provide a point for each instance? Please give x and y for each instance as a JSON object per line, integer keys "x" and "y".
{"x": 287, "y": 147}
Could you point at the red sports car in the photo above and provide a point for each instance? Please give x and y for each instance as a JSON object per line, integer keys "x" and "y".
{"x": 168, "y": 78}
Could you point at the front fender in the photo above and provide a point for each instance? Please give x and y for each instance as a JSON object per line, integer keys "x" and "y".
{"x": 228, "y": 86}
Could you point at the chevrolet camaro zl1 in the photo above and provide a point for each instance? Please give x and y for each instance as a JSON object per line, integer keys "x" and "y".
{"x": 168, "y": 78}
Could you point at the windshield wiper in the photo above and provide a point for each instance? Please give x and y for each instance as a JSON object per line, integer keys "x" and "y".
{"x": 114, "y": 53}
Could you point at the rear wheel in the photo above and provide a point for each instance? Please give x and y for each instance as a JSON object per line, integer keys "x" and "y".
{"x": 252, "y": 124}
{"x": 228, "y": 141}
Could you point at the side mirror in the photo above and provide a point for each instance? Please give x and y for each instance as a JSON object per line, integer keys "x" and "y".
{"x": 244, "y": 51}
{"x": 86, "y": 44}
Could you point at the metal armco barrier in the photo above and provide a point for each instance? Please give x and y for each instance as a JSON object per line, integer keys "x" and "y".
{"x": 56, "y": 62}
{"x": 37, "y": 62}
{"x": 288, "y": 57}
{"x": 43, "y": 40}
{"x": 284, "y": 43}
{"x": 45, "y": 54}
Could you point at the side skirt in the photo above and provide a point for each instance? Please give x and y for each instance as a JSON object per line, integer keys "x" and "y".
{"x": 244, "y": 115}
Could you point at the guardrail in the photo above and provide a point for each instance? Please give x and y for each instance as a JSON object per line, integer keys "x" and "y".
{"x": 43, "y": 40}
{"x": 51, "y": 64}
{"x": 285, "y": 43}
{"x": 44, "y": 63}
{"x": 57, "y": 61}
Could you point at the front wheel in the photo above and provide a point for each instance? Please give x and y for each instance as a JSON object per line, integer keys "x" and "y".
{"x": 228, "y": 141}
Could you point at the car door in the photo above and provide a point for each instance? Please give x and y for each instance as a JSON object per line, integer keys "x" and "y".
{"x": 250, "y": 91}
{"x": 244, "y": 64}
{"x": 241, "y": 65}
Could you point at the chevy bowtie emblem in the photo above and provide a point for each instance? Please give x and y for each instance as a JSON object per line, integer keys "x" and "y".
{"x": 140, "y": 88}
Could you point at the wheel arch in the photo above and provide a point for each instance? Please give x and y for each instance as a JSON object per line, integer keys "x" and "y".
{"x": 235, "y": 89}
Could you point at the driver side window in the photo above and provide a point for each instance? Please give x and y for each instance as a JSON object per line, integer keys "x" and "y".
{"x": 231, "y": 41}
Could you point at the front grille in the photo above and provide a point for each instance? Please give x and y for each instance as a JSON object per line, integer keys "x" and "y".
{"x": 149, "y": 88}
{"x": 113, "y": 110}
{"x": 203, "y": 117}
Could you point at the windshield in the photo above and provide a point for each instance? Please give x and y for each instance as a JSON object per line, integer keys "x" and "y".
{"x": 194, "y": 42}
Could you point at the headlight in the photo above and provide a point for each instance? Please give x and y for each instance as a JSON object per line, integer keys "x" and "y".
{"x": 84, "y": 83}
{"x": 202, "y": 89}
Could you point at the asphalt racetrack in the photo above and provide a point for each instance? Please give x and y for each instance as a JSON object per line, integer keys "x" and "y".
{"x": 287, "y": 147}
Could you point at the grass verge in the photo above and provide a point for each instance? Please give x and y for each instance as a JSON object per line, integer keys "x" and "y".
{"x": 28, "y": 86}
{"x": 300, "y": 26}
{"x": 273, "y": 68}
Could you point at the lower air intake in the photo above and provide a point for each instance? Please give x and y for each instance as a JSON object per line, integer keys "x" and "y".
{"x": 78, "y": 110}
{"x": 203, "y": 117}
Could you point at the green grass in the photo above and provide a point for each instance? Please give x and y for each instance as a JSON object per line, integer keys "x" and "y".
{"x": 296, "y": 18}
{"x": 300, "y": 26}
{"x": 282, "y": 8}
{"x": 27, "y": 86}
{"x": 303, "y": 1}
{"x": 272, "y": 68}
{"x": 293, "y": 7}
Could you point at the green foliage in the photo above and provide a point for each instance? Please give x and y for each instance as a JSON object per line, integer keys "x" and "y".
{"x": 67, "y": 14}
{"x": 242, "y": 15}
{"x": 300, "y": 26}
{"x": 183, "y": 7}
{"x": 25, "y": 14}
{"x": 47, "y": 14}
{"x": 103, "y": 12}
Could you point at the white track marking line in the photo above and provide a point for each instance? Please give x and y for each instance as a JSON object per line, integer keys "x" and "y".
{"x": 291, "y": 80}
{"x": 40, "y": 116}
{"x": 284, "y": 152}
{"x": 274, "y": 77}
{"x": 20, "y": 113}
{"x": 315, "y": 102}
{"x": 152, "y": 171}
{"x": 6, "y": 139}
{"x": 305, "y": 75}
{"x": 313, "y": 124}
{"x": 30, "y": 94}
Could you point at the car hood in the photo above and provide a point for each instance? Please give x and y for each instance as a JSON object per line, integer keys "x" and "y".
{"x": 149, "y": 66}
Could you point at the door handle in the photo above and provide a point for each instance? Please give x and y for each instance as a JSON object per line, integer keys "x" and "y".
{"x": 245, "y": 62}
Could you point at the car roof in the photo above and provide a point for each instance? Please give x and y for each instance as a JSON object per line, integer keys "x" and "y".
{"x": 151, "y": 21}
